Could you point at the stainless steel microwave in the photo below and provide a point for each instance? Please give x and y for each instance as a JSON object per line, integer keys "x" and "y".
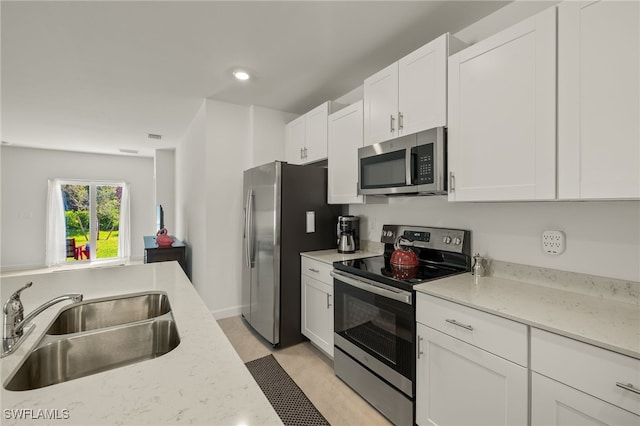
{"x": 412, "y": 164}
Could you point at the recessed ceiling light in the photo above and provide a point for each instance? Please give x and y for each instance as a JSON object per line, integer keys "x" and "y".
{"x": 128, "y": 151}
{"x": 241, "y": 75}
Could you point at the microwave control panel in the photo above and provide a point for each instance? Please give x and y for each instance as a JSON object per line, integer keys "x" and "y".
{"x": 423, "y": 157}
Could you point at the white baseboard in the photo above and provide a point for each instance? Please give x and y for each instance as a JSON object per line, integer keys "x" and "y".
{"x": 227, "y": 312}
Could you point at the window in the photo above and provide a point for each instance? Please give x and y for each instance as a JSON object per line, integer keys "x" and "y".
{"x": 87, "y": 222}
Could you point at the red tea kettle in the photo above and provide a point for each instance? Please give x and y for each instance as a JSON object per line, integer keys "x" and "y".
{"x": 401, "y": 257}
{"x": 163, "y": 239}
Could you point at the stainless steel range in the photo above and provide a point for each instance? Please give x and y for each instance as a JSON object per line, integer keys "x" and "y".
{"x": 374, "y": 315}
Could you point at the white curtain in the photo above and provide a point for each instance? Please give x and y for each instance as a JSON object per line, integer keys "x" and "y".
{"x": 124, "y": 235}
{"x": 55, "y": 249}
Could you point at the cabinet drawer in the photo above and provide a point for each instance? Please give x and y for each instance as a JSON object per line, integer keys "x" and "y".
{"x": 495, "y": 334}
{"x": 318, "y": 270}
{"x": 591, "y": 369}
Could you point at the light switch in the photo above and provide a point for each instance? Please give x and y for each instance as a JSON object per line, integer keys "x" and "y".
{"x": 311, "y": 222}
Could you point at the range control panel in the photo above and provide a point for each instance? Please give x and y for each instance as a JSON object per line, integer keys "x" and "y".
{"x": 454, "y": 240}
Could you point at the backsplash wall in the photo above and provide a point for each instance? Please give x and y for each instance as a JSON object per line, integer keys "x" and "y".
{"x": 602, "y": 237}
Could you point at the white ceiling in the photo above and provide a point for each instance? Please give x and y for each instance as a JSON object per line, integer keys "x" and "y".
{"x": 98, "y": 76}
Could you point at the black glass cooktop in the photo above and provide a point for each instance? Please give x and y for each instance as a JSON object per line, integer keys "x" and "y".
{"x": 379, "y": 268}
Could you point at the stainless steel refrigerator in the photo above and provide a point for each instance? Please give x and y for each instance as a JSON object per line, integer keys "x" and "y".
{"x": 285, "y": 213}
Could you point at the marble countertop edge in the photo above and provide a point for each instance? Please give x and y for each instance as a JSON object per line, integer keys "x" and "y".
{"x": 609, "y": 324}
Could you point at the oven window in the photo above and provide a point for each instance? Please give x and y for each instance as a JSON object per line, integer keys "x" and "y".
{"x": 384, "y": 170}
{"x": 380, "y": 326}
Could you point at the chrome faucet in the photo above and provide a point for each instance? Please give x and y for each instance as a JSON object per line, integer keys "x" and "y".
{"x": 14, "y": 322}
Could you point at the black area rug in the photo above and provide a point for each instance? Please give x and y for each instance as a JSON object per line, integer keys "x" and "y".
{"x": 291, "y": 404}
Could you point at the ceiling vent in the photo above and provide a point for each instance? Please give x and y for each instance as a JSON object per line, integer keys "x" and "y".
{"x": 154, "y": 136}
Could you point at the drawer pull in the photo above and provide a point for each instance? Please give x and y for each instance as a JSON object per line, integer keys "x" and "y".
{"x": 628, "y": 387}
{"x": 314, "y": 270}
{"x": 454, "y": 322}
{"x": 419, "y": 346}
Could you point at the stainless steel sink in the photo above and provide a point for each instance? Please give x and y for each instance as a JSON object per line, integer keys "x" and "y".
{"x": 99, "y": 335}
{"x": 100, "y": 313}
{"x": 59, "y": 359}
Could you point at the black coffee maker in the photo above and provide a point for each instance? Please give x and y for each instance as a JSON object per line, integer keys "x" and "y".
{"x": 348, "y": 234}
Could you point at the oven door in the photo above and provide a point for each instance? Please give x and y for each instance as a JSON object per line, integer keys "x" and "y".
{"x": 374, "y": 324}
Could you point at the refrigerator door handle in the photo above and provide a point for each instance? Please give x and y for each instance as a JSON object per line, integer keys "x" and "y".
{"x": 248, "y": 225}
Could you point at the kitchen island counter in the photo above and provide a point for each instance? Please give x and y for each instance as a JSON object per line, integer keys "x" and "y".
{"x": 202, "y": 381}
{"x": 599, "y": 311}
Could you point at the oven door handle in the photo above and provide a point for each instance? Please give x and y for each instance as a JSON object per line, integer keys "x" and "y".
{"x": 373, "y": 287}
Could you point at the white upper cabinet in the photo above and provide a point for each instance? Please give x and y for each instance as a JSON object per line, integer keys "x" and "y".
{"x": 345, "y": 137}
{"x": 306, "y": 136}
{"x": 316, "y": 133}
{"x": 381, "y": 105}
{"x": 409, "y": 95}
{"x": 599, "y": 100}
{"x": 502, "y": 115}
{"x": 422, "y": 88}
{"x": 294, "y": 137}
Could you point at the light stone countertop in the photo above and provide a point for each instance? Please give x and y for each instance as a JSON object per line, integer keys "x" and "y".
{"x": 368, "y": 249}
{"x": 604, "y": 318}
{"x": 201, "y": 382}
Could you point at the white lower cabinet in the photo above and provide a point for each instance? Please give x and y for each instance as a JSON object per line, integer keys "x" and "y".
{"x": 556, "y": 404}
{"x": 317, "y": 304}
{"x": 574, "y": 383}
{"x": 460, "y": 383}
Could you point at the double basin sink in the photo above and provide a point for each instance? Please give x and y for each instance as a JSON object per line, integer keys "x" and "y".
{"x": 99, "y": 335}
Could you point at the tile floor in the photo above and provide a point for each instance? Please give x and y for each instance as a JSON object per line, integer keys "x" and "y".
{"x": 313, "y": 373}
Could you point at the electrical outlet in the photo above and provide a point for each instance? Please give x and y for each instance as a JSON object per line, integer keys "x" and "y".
{"x": 553, "y": 242}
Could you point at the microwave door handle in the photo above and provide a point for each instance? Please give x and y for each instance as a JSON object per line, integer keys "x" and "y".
{"x": 411, "y": 166}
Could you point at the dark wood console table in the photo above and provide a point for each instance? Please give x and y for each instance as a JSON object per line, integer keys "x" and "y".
{"x": 154, "y": 253}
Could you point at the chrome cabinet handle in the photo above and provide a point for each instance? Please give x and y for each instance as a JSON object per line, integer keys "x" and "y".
{"x": 454, "y": 322}
{"x": 391, "y": 123}
{"x": 629, "y": 387}
{"x": 400, "y": 121}
{"x": 420, "y": 346}
{"x": 314, "y": 270}
{"x": 328, "y": 300}
{"x": 452, "y": 182}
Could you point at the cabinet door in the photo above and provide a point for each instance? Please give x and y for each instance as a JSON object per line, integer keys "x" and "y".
{"x": 381, "y": 105}
{"x": 599, "y": 100}
{"x": 317, "y": 313}
{"x": 294, "y": 140}
{"x": 316, "y": 134}
{"x": 460, "y": 384}
{"x": 345, "y": 137}
{"x": 556, "y": 404}
{"x": 502, "y": 115}
{"x": 422, "y": 87}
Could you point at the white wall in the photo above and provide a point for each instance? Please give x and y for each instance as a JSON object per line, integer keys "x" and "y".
{"x": 228, "y": 143}
{"x": 165, "y": 178}
{"x": 222, "y": 141}
{"x": 25, "y": 174}
{"x": 190, "y": 195}
{"x": 267, "y": 129}
{"x": 603, "y": 238}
